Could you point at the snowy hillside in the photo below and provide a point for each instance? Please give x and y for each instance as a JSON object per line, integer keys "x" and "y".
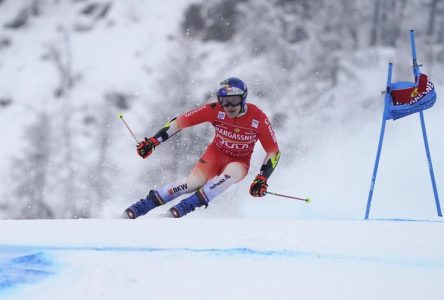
{"x": 221, "y": 259}
{"x": 69, "y": 67}
{"x": 316, "y": 67}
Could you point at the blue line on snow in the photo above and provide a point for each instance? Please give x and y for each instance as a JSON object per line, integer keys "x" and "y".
{"x": 20, "y": 268}
{"x": 241, "y": 252}
{"x": 407, "y": 220}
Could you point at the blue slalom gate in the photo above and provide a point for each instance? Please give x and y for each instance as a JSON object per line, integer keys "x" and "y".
{"x": 402, "y": 99}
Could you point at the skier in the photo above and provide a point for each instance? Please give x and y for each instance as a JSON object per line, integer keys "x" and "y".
{"x": 238, "y": 126}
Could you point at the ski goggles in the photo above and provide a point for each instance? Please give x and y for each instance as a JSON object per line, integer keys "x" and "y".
{"x": 234, "y": 100}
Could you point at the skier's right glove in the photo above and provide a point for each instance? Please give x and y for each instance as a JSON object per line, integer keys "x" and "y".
{"x": 259, "y": 186}
{"x": 146, "y": 147}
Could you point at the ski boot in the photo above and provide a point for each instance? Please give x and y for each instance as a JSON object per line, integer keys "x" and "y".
{"x": 188, "y": 205}
{"x": 143, "y": 206}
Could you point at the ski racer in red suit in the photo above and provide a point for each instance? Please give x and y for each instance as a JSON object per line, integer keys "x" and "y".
{"x": 238, "y": 126}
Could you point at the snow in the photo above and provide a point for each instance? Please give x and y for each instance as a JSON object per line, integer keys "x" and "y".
{"x": 327, "y": 151}
{"x": 239, "y": 247}
{"x": 221, "y": 259}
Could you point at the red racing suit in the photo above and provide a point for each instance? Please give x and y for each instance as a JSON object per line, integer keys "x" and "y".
{"x": 237, "y": 136}
{"x": 227, "y": 158}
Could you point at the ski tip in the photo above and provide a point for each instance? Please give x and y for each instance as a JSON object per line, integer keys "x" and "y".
{"x": 308, "y": 200}
{"x": 120, "y": 116}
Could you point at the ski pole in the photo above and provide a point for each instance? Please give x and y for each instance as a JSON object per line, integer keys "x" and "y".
{"x": 129, "y": 129}
{"x": 308, "y": 200}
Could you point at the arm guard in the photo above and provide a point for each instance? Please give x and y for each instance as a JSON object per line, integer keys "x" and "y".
{"x": 271, "y": 164}
{"x": 166, "y": 132}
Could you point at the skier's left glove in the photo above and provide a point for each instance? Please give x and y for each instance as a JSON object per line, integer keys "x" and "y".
{"x": 259, "y": 186}
{"x": 146, "y": 147}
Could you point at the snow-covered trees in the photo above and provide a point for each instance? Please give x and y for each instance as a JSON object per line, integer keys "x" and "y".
{"x": 30, "y": 173}
{"x": 178, "y": 93}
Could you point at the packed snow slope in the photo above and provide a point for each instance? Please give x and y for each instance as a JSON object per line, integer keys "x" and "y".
{"x": 221, "y": 259}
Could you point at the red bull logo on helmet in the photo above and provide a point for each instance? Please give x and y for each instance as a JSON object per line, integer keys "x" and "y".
{"x": 229, "y": 90}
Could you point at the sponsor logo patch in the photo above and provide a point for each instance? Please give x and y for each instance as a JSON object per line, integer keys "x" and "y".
{"x": 255, "y": 123}
{"x": 235, "y": 136}
{"x": 177, "y": 189}
{"x": 228, "y": 89}
{"x": 273, "y": 136}
{"x": 219, "y": 182}
{"x": 232, "y": 146}
{"x": 189, "y": 114}
{"x": 221, "y": 115}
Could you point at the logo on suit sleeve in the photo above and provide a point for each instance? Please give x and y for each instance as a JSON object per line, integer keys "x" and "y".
{"x": 273, "y": 136}
{"x": 189, "y": 114}
{"x": 255, "y": 123}
{"x": 221, "y": 115}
